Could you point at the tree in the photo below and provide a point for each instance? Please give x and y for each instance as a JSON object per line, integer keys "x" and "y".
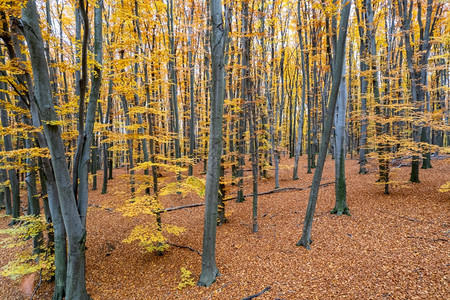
{"x": 340, "y": 186}
{"x": 339, "y": 56}
{"x": 73, "y": 211}
{"x": 219, "y": 36}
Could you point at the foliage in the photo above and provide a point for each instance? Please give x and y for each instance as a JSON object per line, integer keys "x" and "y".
{"x": 25, "y": 262}
{"x": 151, "y": 236}
{"x": 191, "y": 184}
{"x": 186, "y": 279}
{"x": 445, "y": 188}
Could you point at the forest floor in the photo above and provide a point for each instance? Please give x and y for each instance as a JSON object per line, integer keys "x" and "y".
{"x": 393, "y": 246}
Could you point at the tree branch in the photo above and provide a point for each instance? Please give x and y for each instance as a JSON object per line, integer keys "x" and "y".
{"x": 248, "y": 195}
{"x": 257, "y": 295}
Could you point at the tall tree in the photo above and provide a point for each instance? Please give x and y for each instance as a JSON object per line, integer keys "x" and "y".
{"x": 339, "y": 57}
{"x": 73, "y": 211}
{"x": 218, "y": 39}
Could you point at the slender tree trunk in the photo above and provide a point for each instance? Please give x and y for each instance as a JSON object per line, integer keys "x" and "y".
{"x": 337, "y": 74}
{"x": 12, "y": 174}
{"x": 173, "y": 85}
{"x": 219, "y": 36}
{"x": 363, "y": 84}
{"x": 340, "y": 207}
{"x": 302, "y": 110}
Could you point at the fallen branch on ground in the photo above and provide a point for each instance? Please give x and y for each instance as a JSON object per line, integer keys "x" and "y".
{"x": 248, "y": 195}
{"x": 257, "y": 295}
{"x": 185, "y": 247}
{"x": 427, "y": 239}
{"x": 399, "y": 216}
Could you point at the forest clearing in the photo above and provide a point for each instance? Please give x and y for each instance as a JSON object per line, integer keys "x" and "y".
{"x": 392, "y": 247}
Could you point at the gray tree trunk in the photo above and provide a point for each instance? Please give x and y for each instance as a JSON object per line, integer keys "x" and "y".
{"x": 363, "y": 85}
{"x": 302, "y": 109}
{"x": 219, "y": 36}
{"x": 76, "y": 233}
{"x": 12, "y": 174}
{"x": 340, "y": 207}
{"x": 337, "y": 74}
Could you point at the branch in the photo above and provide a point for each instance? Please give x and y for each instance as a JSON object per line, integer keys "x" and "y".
{"x": 399, "y": 216}
{"x": 248, "y": 195}
{"x": 185, "y": 247}
{"x": 257, "y": 295}
{"x": 427, "y": 239}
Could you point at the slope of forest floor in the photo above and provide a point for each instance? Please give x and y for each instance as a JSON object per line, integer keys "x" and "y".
{"x": 392, "y": 247}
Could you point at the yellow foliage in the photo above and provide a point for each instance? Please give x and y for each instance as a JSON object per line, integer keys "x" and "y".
{"x": 192, "y": 184}
{"x": 25, "y": 262}
{"x": 186, "y": 279}
{"x": 151, "y": 238}
{"x": 445, "y": 187}
{"x": 142, "y": 205}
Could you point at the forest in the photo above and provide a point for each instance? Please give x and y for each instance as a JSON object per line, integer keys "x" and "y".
{"x": 224, "y": 149}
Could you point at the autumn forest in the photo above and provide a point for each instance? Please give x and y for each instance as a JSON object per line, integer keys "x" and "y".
{"x": 226, "y": 149}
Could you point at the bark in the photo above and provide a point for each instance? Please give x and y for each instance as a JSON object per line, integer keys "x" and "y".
{"x": 5, "y": 191}
{"x": 191, "y": 96}
{"x": 12, "y": 174}
{"x": 364, "y": 83}
{"x": 219, "y": 36}
{"x": 173, "y": 85}
{"x": 337, "y": 74}
{"x": 107, "y": 159}
{"x": 140, "y": 120}
{"x": 270, "y": 108}
{"x": 75, "y": 284}
{"x": 340, "y": 207}
{"x": 302, "y": 110}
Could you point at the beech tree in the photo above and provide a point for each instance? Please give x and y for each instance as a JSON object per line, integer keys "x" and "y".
{"x": 73, "y": 208}
{"x": 339, "y": 56}
{"x": 218, "y": 39}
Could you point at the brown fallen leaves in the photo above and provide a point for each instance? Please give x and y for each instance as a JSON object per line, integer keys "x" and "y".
{"x": 393, "y": 246}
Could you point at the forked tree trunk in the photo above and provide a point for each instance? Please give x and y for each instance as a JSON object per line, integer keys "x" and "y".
{"x": 337, "y": 74}
{"x": 74, "y": 224}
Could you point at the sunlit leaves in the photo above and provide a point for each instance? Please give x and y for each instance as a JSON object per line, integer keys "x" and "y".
{"x": 25, "y": 262}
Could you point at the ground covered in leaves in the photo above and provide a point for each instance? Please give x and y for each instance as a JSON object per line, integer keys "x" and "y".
{"x": 393, "y": 246}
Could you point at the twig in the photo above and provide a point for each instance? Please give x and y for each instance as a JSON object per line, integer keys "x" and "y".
{"x": 257, "y": 295}
{"x": 213, "y": 292}
{"x": 403, "y": 217}
{"x": 185, "y": 247}
{"x": 428, "y": 239}
{"x": 248, "y": 195}
{"x": 38, "y": 286}
{"x": 181, "y": 207}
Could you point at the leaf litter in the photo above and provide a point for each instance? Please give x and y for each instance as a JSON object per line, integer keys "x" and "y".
{"x": 393, "y": 246}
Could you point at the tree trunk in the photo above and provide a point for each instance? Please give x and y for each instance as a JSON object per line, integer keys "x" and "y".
{"x": 337, "y": 74}
{"x": 219, "y": 36}
{"x": 363, "y": 68}
{"x": 76, "y": 233}
{"x": 340, "y": 207}
{"x": 12, "y": 174}
{"x": 302, "y": 110}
